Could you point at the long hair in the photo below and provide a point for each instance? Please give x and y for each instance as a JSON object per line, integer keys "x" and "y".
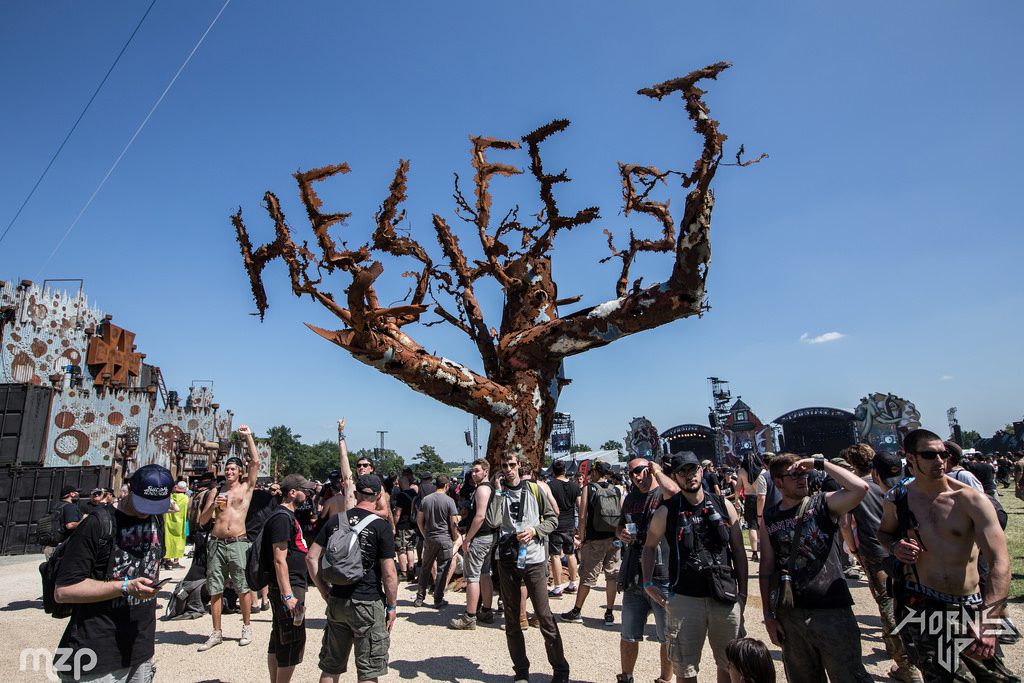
{"x": 753, "y": 465}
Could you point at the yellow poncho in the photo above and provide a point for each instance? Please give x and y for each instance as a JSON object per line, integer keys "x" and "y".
{"x": 174, "y": 528}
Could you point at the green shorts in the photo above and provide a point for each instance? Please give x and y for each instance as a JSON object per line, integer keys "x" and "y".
{"x": 224, "y": 562}
{"x": 358, "y": 624}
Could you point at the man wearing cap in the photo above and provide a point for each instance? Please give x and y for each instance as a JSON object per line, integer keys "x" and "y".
{"x": 109, "y": 578}
{"x": 598, "y": 552}
{"x": 228, "y": 542}
{"x": 283, "y": 541}
{"x": 359, "y": 615}
{"x": 707, "y": 570}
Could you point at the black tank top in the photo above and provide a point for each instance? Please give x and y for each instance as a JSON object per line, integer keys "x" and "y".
{"x": 694, "y": 543}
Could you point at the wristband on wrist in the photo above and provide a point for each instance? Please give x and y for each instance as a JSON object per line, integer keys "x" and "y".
{"x": 288, "y": 597}
{"x": 648, "y": 584}
{"x": 341, "y": 436}
{"x": 769, "y": 615}
{"x": 124, "y": 586}
{"x": 392, "y": 608}
{"x": 819, "y": 463}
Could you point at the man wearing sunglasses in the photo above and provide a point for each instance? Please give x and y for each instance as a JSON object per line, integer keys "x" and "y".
{"x": 816, "y": 628}
{"x": 650, "y": 487}
{"x": 943, "y": 526}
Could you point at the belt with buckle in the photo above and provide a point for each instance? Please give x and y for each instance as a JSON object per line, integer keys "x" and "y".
{"x": 234, "y": 539}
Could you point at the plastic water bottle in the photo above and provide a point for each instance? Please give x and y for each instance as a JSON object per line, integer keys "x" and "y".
{"x": 300, "y": 614}
{"x": 521, "y": 558}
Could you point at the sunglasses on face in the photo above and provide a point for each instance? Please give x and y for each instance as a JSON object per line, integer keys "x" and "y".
{"x": 509, "y": 465}
{"x": 637, "y": 471}
{"x": 931, "y": 455}
{"x": 363, "y": 464}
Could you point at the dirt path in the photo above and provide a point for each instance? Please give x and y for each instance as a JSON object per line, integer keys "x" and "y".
{"x": 421, "y": 647}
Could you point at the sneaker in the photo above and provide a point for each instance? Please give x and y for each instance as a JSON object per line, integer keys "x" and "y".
{"x": 438, "y": 604}
{"x": 463, "y": 622}
{"x": 533, "y": 620}
{"x": 570, "y": 589}
{"x": 573, "y": 615}
{"x": 609, "y": 617}
{"x": 754, "y": 557}
{"x": 216, "y": 638}
{"x": 485, "y": 616}
{"x": 418, "y": 602}
{"x": 623, "y": 678}
{"x": 556, "y": 592}
{"x": 525, "y": 624}
{"x": 246, "y": 635}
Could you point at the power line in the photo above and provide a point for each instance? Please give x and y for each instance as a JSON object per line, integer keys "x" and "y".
{"x": 77, "y": 121}
{"x": 134, "y": 135}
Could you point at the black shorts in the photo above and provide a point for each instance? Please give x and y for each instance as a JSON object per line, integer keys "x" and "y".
{"x": 750, "y": 510}
{"x": 287, "y": 641}
{"x": 561, "y": 543}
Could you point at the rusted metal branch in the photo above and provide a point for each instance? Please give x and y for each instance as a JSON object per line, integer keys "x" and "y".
{"x": 485, "y": 169}
{"x": 321, "y": 222}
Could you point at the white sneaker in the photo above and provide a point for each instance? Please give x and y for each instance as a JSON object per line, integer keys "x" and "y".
{"x": 215, "y": 639}
{"x": 246, "y": 635}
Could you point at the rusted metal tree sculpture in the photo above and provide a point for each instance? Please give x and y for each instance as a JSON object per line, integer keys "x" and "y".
{"x": 518, "y": 388}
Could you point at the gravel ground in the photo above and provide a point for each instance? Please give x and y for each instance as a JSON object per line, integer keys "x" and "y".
{"x": 421, "y": 647}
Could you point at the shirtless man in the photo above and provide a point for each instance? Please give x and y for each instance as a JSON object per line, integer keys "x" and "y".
{"x": 748, "y": 473}
{"x": 944, "y": 525}
{"x": 228, "y": 542}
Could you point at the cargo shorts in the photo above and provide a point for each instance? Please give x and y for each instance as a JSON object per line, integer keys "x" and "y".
{"x": 597, "y": 557}
{"x": 226, "y": 561}
{"x": 359, "y": 625}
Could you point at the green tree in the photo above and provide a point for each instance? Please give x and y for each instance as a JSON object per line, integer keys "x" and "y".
{"x": 428, "y": 459}
{"x": 320, "y": 459}
{"x": 580, "y": 448}
{"x": 287, "y": 451}
{"x": 970, "y": 437}
{"x": 611, "y": 445}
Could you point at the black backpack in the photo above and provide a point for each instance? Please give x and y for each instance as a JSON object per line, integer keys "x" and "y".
{"x": 50, "y": 529}
{"x": 257, "y": 573}
{"x": 48, "y": 570}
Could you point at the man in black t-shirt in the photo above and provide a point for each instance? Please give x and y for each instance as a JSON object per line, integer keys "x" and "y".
{"x": 818, "y": 632}
{"x": 359, "y": 615}
{"x": 562, "y": 543}
{"x": 650, "y": 487}
{"x": 69, "y": 518}
{"x": 110, "y": 581}
{"x": 285, "y": 547}
{"x": 405, "y": 526}
{"x": 707, "y": 567}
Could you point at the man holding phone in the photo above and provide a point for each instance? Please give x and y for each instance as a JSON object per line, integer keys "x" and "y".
{"x": 109, "y": 572}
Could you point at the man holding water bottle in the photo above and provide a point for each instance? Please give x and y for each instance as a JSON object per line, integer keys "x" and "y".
{"x": 525, "y": 518}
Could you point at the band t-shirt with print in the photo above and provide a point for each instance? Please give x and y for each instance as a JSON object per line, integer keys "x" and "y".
{"x": 283, "y": 527}
{"x": 818, "y": 581}
{"x": 121, "y": 632}
{"x": 638, "y": 508}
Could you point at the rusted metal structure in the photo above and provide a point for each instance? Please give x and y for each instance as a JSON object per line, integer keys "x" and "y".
{"x": 518, "y": 386}
{"x": 103, "y": 404}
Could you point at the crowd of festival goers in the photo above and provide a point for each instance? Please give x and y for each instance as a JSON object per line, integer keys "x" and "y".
{"x": 663, "y": 536}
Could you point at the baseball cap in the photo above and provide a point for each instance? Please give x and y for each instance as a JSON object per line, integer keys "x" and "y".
{"x": 233, "y": 461}
{"x": 295, "y": 481}
{"x": 841, "y": 462}
{"x": 96, "y": 492}
{"x": 68, "y": 490}
{"x": 368, "y": 484}
{"x": 151, "y": 490}
{"x": 677, "y": 462}
{"x": 889, "y": 467}
{"x": 181, "y": 486}
{"x": 334, "y": 475}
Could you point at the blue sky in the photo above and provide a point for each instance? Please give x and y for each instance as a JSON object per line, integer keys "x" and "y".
{"x": 885, "y": 212}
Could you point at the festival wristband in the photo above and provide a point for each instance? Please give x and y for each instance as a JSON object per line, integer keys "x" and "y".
{"x": 648, "y": 584}
{"x": 124, "y": 586}
{"x": 288, "y": 597}
{"x": 341, "y": 436}
{"x": 769, "y": 615}
{"x": 392, "y": 608}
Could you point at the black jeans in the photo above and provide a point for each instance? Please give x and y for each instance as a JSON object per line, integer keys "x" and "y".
{"x": 535, "y": 576}
{"x": 441, "y": 553}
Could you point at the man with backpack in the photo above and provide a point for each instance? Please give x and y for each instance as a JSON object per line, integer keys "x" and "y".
{"x": 524, "y": 519}
{"x": 935, "y": 527}
{"x": 599, "y": 518}
{"x": 707, "y": 570}
{"x": 59, "y": 524}
{"x": 284, "y": 550}
{"x": 358, "y": 579}
{"x": 479, "y": 546}
{"x": 108, "y": 571}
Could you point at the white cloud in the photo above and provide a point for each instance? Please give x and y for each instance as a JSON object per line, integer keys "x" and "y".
{"x": 821, "y": 338}
{"x": 946, "y": 377}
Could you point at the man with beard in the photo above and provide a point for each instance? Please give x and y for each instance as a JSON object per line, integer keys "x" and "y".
{"x": 936, "y": 526}
{"x": 228, "y": 542}
{"x": 479, "y": 546}
{"x": 707, "y": 570}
